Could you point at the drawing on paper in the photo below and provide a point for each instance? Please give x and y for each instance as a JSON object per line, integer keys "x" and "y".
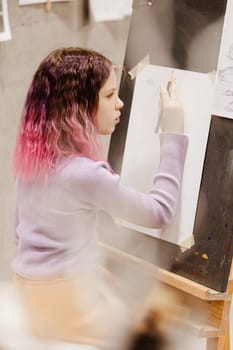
{"x": 223, "y": 104}
{"x": 196, "y": 89}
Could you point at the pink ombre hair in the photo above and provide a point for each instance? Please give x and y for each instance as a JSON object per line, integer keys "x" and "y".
{"x": 58, "y": 117}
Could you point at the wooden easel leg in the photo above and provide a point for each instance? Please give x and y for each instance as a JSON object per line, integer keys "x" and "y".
{"x": 212, "y": 344}
{"x": 227, "y": 337}
{"x": 215, "y": 343}
{"x": 220, "y": 343}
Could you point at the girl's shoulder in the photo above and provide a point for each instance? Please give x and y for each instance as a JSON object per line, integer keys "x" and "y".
{"x": 82, "y": 169}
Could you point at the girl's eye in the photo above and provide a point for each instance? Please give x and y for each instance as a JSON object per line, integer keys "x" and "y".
{"x": 111, "y": 94}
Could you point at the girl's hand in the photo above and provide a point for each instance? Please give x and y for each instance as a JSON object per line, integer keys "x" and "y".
{"x": 172, "y": 113}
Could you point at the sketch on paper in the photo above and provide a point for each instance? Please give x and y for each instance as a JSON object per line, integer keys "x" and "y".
{"x": 197, "y": 90}
{"x": 230, "y": 52}
{"x": 225, "y": 88}
{"x": 223, "y": 104}
{"x": 5, "y": 33}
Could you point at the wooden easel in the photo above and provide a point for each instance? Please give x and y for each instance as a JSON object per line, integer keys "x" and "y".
{"x": 216, "y": 325}
{"x": 217, "y": 306}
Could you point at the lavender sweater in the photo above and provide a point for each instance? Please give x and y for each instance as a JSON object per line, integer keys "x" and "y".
{"x": 56, "y": 222}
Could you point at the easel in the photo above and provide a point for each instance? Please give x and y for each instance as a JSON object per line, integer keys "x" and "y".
{"x": 215, "y": 327}
{"x": 216, "y": 305}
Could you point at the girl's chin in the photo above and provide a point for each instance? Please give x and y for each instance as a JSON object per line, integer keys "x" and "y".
{"x": 107, "y": 132}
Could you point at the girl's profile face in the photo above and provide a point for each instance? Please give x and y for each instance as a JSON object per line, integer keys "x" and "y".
{"x": 108, "y": 112}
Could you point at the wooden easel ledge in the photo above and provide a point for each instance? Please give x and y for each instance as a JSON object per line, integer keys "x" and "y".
{"x": 200, "y": 300}
{"x": 169, "y": 278}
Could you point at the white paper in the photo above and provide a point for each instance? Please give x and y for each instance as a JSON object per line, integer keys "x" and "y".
{"x": 110, "y": 10}
{"x": 142, "y": 149}
{"x": 223, "y": 104}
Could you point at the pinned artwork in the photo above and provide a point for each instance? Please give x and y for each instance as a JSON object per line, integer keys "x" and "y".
{"x": 110, "y": 10}
{"x": 5, "y": 33}
{"x": 224, "y": 86}
{"x": 142, "y": 149}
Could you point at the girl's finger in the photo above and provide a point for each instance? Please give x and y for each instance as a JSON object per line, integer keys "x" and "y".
{"x": 163, "y": 95}
{"x": 172, "y": 88}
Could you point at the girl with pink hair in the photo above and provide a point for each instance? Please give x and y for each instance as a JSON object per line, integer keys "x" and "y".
{"x": 64, "y": 181}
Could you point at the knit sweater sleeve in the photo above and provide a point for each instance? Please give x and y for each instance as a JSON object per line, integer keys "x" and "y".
{"x": 95, "y": 184}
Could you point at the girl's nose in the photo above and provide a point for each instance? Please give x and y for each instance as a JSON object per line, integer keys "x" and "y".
{"x": 119, "y": 103}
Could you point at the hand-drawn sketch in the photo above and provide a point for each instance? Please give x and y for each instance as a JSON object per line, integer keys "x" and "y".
{"x": 223, "y": 104}
{"x": 5, "y": 33}
{"x": 230, "y": 52}
{"x": 196, "y": 89}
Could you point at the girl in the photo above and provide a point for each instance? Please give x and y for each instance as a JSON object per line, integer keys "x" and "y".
{"x": 63, "y": 182}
